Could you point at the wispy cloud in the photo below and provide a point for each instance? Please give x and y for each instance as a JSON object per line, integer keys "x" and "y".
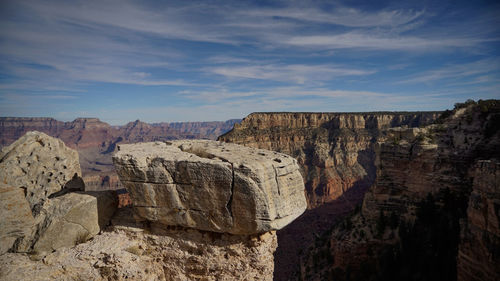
{"x": 293, "y": 73}
{"x": 343, "y": 16}
{"x": 370, "y": 41}
{"x": 457, "y": 72}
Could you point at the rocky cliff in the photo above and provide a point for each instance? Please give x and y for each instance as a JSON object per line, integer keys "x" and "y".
{"x": 479, "y": 248}
{"x": 201, "y": 210}
{"x": 410, "y": 221}
{"x": 336, "y": 152}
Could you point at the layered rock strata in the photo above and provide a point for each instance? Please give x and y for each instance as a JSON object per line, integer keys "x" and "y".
{"x": 479, "y": 252}
{"x": 211, "y": 186}
{"x": 424, "y": 180}
{"x": 334, "y": 150}
{"x": 336, "y": 153}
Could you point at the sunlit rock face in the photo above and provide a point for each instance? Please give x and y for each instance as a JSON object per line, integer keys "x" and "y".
{"x": 211, "y": 186}
{"x": 334, "y": 150}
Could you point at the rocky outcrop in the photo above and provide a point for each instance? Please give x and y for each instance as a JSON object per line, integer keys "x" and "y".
{"x": 336, "y": 153}
{"x": 41, "y": 165}
{"x": 335, "y": 150}
{"x": 211, "y": 186}
{"x": 95, "y": 140}
{"x": 43, "y": 211}
{"x": 243, "y": 194}
{"x": 479, "y": 252}
{"x": 424, "y": 182}
{"x": 142, "y": 253}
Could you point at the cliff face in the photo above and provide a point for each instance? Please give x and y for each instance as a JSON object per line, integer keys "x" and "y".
{"x": 336, "y": 152}
{"x": 409, "y": 223}
{"x": 479, "y": 251}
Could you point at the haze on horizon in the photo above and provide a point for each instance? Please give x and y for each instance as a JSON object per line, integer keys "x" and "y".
{"x": 203, "y": 61}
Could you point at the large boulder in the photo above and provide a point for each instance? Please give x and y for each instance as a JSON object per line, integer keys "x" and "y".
{"x": 211, "y": 186}
{"x": 71, "y": 219}
{"x": 40, "y": 164}
{"x": 40, "y": 210}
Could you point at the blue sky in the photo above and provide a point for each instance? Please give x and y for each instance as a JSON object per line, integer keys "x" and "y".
{"x": 216, "y": 60}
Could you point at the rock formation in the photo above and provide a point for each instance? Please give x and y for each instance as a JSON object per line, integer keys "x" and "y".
{"x": 141, "y": 253}
{"x": 333, "y": 149}
{"x": 95, "y": 140}
{"x": 39, "y": 178}
{"x": 336, "y": 153}
{"x": 410, "y": 218}
{"x": 212, "y": 186}
{"x": 478, "y": 256}
{"x": 242, "y": 194}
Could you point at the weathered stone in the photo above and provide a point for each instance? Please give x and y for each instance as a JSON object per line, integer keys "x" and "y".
{"x": 40, "y": 164}
{"x": 69, "y": 219}
{"x": 39, "y": 173}
{"x": 16, "y": 219}
{"x": 212, "y": 186}
{"x": 73, "y": 218}
{"x": 156, "y": 254}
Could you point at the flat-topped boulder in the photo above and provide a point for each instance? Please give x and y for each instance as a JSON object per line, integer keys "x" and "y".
{"x": 211, "y": 186}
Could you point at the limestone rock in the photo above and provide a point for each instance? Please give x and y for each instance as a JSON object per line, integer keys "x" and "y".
{"x": 212, "y": 186}
{"x": 73, "y": 218}
{"x": 175, "y": 253}
{"x": 40, "y": 164}
{"x": 16, "y": 219}
{"x": 41, "y": 214}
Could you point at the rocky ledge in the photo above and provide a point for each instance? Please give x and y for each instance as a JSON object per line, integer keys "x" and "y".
{"x": 211, "y": 186}
{"x": 201, "y": 210}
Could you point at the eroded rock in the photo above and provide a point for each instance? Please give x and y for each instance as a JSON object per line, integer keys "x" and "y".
{"x": 40, "y": 209}
{"x": 174, "y": 253}
{"x": 16, "y": 218}
{"x": 212, "y": 186}
{"x": 42, "y": 165}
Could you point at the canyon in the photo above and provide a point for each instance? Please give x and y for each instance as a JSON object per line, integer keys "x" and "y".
{"x": 95, "y": 140}
{"x": 336, "y": 152}
{"x": 386, "y": 195}
{"x": 432, "y": 213}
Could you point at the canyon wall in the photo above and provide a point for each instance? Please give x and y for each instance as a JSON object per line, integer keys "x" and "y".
{"x": 479, "y": 249}
{"x": 336, "y": 152}
{"x": 411, "y": 220}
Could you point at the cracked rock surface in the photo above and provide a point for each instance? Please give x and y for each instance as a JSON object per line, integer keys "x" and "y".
{"x": 40, "y": 211}
{"x": 211, "y": 186}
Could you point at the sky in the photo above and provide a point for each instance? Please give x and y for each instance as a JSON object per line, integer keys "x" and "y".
{"x": 215, "y": 60}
